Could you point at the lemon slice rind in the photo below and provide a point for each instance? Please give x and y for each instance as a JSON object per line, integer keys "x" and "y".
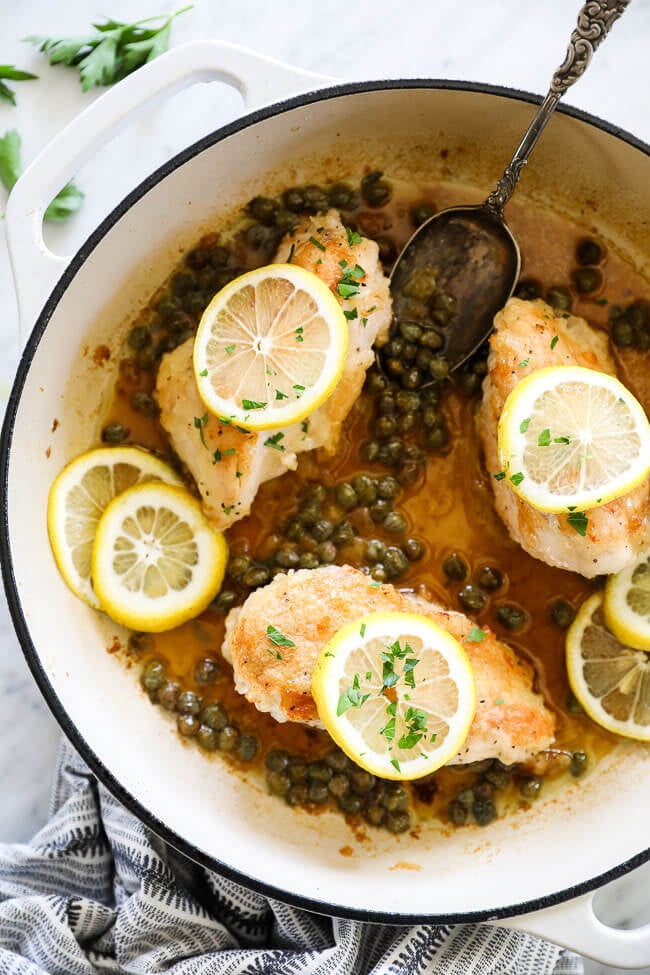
{"x": 269, "y": 367}
{"x": 625, "y": 438}
{"x": 79, "y": 495}
{"x": 613, "y": 665}
{"x": 625, "y": 594}
{"x": 431, "y": 679}
{"x": 156, "y": 562}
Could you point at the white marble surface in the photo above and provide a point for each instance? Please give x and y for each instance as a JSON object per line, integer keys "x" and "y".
{"x": 498, "y": 41}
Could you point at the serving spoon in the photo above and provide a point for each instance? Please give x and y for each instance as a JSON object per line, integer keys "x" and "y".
{"x": 470, "y": 250}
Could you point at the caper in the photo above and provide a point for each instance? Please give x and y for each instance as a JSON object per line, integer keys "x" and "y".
{"x": 589, "y": 251}
{"x": 153, "y": 675}
{"x": 587, "y": 279}
{"x": 472, "y": 598}
{"x": 238, "y": 565}
{"x": 228, "y": 738}
{"x": 365, "y": 488}
{"x": 319, "y": 771}
{"x": 573, "y": 705}
{"x": 326, "y": 552}
{"x": 279, "y": 783}
{"x": 375, "y": 191}
{"x": 442, "y": 307}
{"x": 431, "y": 339}
{"x": 374, "y": 815}
{"x": 408, "y": 473}
{"x": 413, "y": 549}
{"x": 343, "y": 534}
{"x": 559, "y": 297}
{"x": 438, "y": 368}
{"x": 410, "y": 331}
{"x": 277, "y": 760}
{"x": 395, "y": 797}
{"x": 637, "y": 314}
{"x": 529, "y": 289}
{"x": 484, "y": 811}
{"x": 114, "y": 433}
{"x": 144, "y": 403}
{"x": 385, "y": 427}
{"x": 284, "y": 220}
{"x": 297, "y": 770}
{"x": 309, "y": 560}
{"x": 337, "y": 760}
{"x": 387, "y": 488}
{"x": 146, "y": 357}
{"x": 499, "y": 778}
{"x": 422, "y": 212}
{"x": 315, "y": 198}
{"x": 361, "y": 781}
{"x": 395, "y": 561}
{"x": 511, "y": 617}
{"x": 322, "y": 530}
{"x": 342, "y": 197}
{"x": 483, "y": 789}
{"x": 138, "y": 642}
{"x": 412, "y": 378}
{"x": 346, "y": 496}
{"x": 207, "y": 738}
{"x": 259, "y": 575}
{"x": 297, "y": 794}
{"x": 579, "y": 762}
{"x": 188, "y": 725}
{"x": 224, "y": 601}
{"x": 437, "y": 438}
{"x": 622, "y": 333}
{"x": 198, "y": 257}
{"x": 394, "y": 366}
{"x": 188, "y": 702}
{"x": 457, "y": 813}
{"x": 562, "y": 613}
{"x": 317, "y": 792}
{"x": 530, "y": 787}
{"x": 390, "y": 452}
{"x": 263, "y": 208}
{"x": 395, "y": 523}
{"x": 139, "y": 336}
{"x": 207, "y": 670}
{"x": 375, "y": 381}
{"x": 455, "y": 567}
{"x": 168, "y": 694}
{"x": 338, "y": 785}
{"x": 349, "y": 803}
{"x": 181, "y": 283}
{"x": 375, "y": 551}
{"x": 257, "y": 236}
{"x": 380, "y": 509}
{"x": 398, "y": 822}
{"x": 309, "y": 514}
{"x": 489, "y": 578}
{"x": 287, "y": 558}
{"x": 386, "y": 405}
{"x": 293, "y": 199}
{"x": 387, "y": 249}
{"x": 378, "y": 572}
{"x": 369, "y": 450}
{"x": 423, "y": 359}
{"x": 214, "y": 716}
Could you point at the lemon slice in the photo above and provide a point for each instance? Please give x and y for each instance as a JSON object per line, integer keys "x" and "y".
{"x": 396, "y": 692}
{"x": 156, "y": 561}
{"x": 270, "y": 347}
{"x": 610, "y": 680}
{"x": 77, "y": 501}
{"x": 572, "y": 438}
{"x": 627, "y": 603}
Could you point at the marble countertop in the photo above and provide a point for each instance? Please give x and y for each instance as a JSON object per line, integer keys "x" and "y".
{"x": 496, "y": 41}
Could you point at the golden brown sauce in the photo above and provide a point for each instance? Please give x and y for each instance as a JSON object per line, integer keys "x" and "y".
{"x": 449, "y": 507}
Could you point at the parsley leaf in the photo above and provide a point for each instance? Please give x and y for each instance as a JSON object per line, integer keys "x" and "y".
{"x": 500, "y": 476}
{"x": 353, "y": 237}
{"x": 277, "y": 638}
{"x": 476, "y": 635}
{"x": 200, "y": 422}
{"x": 64, "y": 204}
{"x": 274, "y": 441}
{"x": 523, "y": 426}
{"x": 316, "y": 242}
{"x": 517, "y": 478}
{"x": 578, "y": 521}
{"x": 9, "y": 72}
{"x": 112, "y": 52}
{"x": 554, "y": 341}
{"x": 9, "y": 159}
{"x": 251, "y": 404}
{"x": 544, "y": 438}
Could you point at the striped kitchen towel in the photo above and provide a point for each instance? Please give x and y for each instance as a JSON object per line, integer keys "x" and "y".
{"x": 97, "y": 891}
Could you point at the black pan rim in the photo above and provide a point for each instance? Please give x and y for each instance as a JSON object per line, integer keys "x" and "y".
{"x": 11, "y": 590}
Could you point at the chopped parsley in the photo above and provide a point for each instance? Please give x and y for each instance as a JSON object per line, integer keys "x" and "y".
{"x": 291, "y": 252}
{"x": 524, "y": 363}
{"x": 561, "y": 440}
{"x": 352, "y": 698}
{"x": 351, "y": 315}
{"x": 280, "y": 395}
{"x": 230, "y": 349}
{"x": 226, "y": 508}
{"x": 278, "y": 638}
{"x": 200, "y": 422}
{"x": 275, "y": 653}
{"x": 395, "y": 764}
{"x": 353, "y": 237}
{"x": 299, "y": 336}
{"x": 348, "y": 286}
{"x": 274, "y": 441}
{"x": 554, "y": 341}
{"x": 218, "y": 454}
{"x": 544, "y": 438}
{"x": 523, "y": 426}
{"x": 362, "y": 630}
{"x": 317, "y": 243}
{"x": 203, "y": 372}
{"x": 499, "y": 701}
{"x": 579, "y": 522}
{"x": 517, "y": 478}
{"x": 476, "y": 635}
{"x": 298, "y": 388}
{"x": 500, "y": 476}
{"x": 251, "y": 404}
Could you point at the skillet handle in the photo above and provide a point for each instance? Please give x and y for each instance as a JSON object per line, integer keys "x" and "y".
{"x": 259, "y": 80}
{"x": 574, "y": 925}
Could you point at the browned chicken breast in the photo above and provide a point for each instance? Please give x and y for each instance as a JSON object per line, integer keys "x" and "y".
{"x": 229, "y": 486}
{"x": 511, "y": 723}
{"x": 529, "y": 336}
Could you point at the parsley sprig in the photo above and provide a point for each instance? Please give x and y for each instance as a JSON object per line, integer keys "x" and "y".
{"x": 64, "y": 203}
{"x": 9, "y": 73}
{"x": 113, "y": 51}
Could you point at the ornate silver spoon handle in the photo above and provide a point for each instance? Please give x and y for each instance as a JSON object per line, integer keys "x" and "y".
{"x": 594, "y": 23}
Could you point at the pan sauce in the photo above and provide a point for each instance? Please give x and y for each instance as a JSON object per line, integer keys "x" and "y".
{"x": 450, "y": 509}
